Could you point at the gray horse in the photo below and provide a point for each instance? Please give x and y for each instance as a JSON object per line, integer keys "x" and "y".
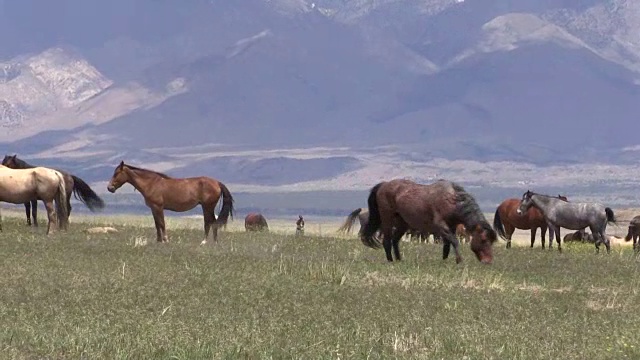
{"x": 571, "y": 215}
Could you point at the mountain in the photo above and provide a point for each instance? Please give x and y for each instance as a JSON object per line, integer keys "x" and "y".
{"x": 273, "y": 93}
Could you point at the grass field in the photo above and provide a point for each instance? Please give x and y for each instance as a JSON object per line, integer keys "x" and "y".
{"x": 111, "y": 296}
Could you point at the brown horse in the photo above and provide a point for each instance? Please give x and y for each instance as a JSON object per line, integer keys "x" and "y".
{"x": 506, "y": 220}
{"x": 634, "y": 232}
{"x": 162, "y": 192}
{"x": 73, "y": 184}
{"x": 580, "y": 235}
{"x": 436, "y": 208}
{"x": 255, "y": 222}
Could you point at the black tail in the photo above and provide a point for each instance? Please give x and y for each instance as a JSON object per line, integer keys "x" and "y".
{"x": 611, "y": 218}
{"x": 348, "y": 223}
{"x": 368, "y": 233}
{"x": 498, "y": 226}
{"x": 227, "y": 206}
{"x": 83, "y": 192}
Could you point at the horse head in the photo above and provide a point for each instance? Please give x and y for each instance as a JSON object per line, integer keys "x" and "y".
{"x": 119, "y": 178}
{"x": 482, "y": 239}
{"x": 10, "y": 161}
{"x": 525, "y": 203}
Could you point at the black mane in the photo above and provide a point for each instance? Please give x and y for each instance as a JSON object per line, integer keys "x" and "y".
{"x": 467, "y": 208}
{"x": 147, "y": 170}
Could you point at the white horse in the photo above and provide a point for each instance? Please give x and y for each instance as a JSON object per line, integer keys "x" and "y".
{"x": 18, "y": 186}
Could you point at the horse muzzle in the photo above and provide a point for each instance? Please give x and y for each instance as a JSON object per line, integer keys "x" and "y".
{"x": 518, "y": 211}
{"x": 111, "y": 188}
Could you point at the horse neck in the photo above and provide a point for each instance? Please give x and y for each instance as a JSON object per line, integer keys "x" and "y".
{"x": 141, "y": 180}
{"x": 21, "y": 164}
{"x": 541, "y": 202}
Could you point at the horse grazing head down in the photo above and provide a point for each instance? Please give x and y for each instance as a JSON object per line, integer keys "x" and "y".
{"x": 482, "y": 239}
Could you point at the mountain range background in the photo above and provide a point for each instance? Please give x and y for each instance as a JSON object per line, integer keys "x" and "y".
{"x": 312, "y": 100}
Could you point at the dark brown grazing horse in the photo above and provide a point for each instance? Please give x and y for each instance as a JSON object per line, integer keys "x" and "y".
{"x": 634, "y": 232}
{"x": 73, "y": 185}
{"x": 162, "y": 192}
{"x": 436, "y": 208}
{"x": 255, "y": 222}
{"x": 506, "y": 220}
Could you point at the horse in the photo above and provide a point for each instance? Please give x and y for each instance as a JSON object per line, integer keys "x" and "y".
{"x": 73, "y": 184}
{"x": 580, "y": 235}
{"x": 255, "y": 222}
{"x": 634, "y": 232}
{"x": 569, "y": 215}
{"x": 506, "y": 220}
{"x": 436, "y": 208}
{"x": 362, "y": 215}
{"x": 162, "y": 192}
{"x": 18, "y": 186}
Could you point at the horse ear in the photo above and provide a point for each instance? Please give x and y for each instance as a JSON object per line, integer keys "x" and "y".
{"x": 121, "y": 164}
{"x": 14, "y": 156}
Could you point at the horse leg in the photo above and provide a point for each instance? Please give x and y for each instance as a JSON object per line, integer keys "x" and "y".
{"x": 509, "y": 229}
{"x": 34, "y": 212}
{"x": 50, "y": 214}
{"x": 558, "y": 239}
{"x": 158, "y": 218}
{"x": 543, "y": 233}
{"x": 27, "y": 209}
{"x": 401, "y": 228}
{"x": 209, "y": 219}
{"x": 533, "y": 235}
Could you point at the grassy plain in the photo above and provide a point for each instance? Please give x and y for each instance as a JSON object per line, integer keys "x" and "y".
{"x": 262, "y": 296}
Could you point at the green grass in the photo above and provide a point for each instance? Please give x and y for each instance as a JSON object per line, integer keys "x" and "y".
{"x": 275, "y": 296}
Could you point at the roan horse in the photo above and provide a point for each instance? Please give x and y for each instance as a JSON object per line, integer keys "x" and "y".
{"x": 436, "y": 208}
{"x": 73, "y": 184}
{"x": 571, "y": 215}
{"x": 255, "y": 222}
{"x": 634, "y": 232}
{"x": 18, "y": 186}
{"x": 506, "y": 220}
{"x": 162, "y": 192}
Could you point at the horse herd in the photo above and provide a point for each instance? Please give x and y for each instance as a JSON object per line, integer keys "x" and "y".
{"x": 395, "y": 208}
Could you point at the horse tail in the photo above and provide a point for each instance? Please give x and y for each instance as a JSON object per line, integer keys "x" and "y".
{"x": 630, "y": 232}
{"x": 83, "y": 192}
{"x": 611, "y": 218}
{"x": 62, "y": 208}
{"x": 227, "y": 205}
{"x": 497, "y": 224}
{"x": 348, "y": 223}
{"x": 368, "y": 233}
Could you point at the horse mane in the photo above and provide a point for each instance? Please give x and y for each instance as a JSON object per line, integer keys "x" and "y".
{"x": 165, "y": 176}
{"x": 23, "y": 164}
{"x": 467, "y": 208}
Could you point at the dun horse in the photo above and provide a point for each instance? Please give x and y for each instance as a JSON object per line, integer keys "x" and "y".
{"x": 162, "y": 192}
{"x": 506, "y": 220}
{"x": 570, "y": 215}
{"x": 18, "y": 186}
{"x": 255, "y": 222}
{"x": 73, "y": 184}
{"x": 436, "y": 208}
{"x": 634, "y": 232}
